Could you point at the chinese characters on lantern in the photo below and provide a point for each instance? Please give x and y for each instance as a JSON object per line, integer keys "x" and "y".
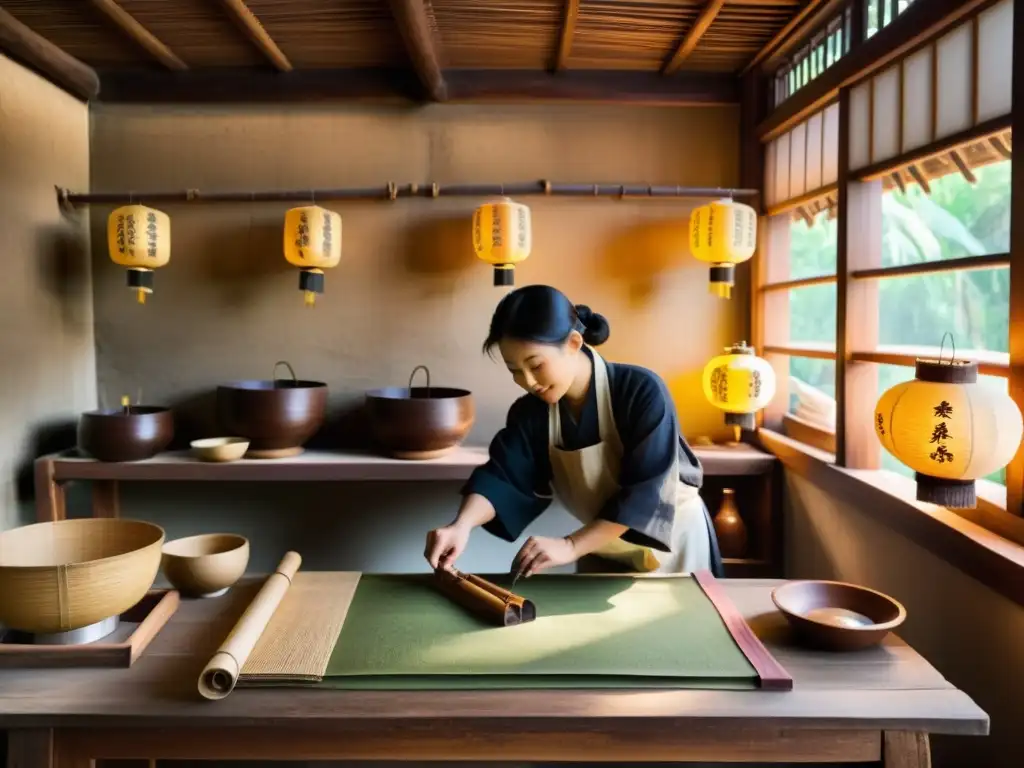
{"x": 940, "y": 433}
{"x": 302, "y": 238}
{"x": 151, "y": 234}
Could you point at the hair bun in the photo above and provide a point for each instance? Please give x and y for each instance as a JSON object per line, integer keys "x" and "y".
{"x": 596, "y": 331}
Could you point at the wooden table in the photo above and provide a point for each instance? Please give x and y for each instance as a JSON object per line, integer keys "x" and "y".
{"x": 876, "y": 705}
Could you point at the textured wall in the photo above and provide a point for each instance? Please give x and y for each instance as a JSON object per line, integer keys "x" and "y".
{"x": 47, "y": 356}
{"x": 408, "y": 290}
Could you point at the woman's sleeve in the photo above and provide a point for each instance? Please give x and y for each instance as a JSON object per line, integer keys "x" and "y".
{"x": 649, "y": 430}
{"x": 517, "y": 477}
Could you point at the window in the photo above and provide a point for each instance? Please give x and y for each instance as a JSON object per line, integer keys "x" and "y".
{"x": 823, "y": 48}
{"x": 880, "y": 13}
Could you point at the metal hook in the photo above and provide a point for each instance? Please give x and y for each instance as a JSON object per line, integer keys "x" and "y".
{"x": 942, "y": 346}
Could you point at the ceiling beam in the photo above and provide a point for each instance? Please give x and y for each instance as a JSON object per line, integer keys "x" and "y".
{"x": 689, "y": 43}
{"x": 568, "y": 30}
{"x": 250, "y": 25}
{"x": 417, "y": 32}
{"x": 36, "y": 51}
{"x": 139, "y": 34}
{"x": 377, "y": 85}
{"x": 783, "y": 33}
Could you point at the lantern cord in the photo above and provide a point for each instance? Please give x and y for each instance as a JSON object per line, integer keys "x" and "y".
{"x": 391, "y": 190}
{"x": 942, "y": 346}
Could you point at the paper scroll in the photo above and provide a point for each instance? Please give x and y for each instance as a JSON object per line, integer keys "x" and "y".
{"x": 221, "y": 673}
{"x": 489, "y": 601}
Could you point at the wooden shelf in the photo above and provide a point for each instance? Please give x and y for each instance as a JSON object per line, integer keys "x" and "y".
{"x": 347, "y": 466}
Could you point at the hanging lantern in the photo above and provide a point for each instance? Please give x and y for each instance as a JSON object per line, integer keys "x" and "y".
{"x": 502, "y": 237}
{"x": 139, "y": 238}
{"x": 723, "y": 234}
{"x": 739, "y": 383}
{"x": 949, "y": 429}
{"x": 312, "y": 242}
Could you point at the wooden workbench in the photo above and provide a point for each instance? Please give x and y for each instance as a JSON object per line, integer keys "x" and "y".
{"x": 879, "y": 704}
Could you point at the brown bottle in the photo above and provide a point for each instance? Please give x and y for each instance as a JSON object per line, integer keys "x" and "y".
{"x": 729, "y": 526}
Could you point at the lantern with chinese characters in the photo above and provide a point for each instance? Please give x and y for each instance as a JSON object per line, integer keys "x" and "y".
{"x": 502, "y": 237}
{"x": 312, "y": 242}
{"x": 949, "y": 429}
{"x": 739, "y": 383}
{"x": 723, "y": 234}
{"x": 139, "y": 238}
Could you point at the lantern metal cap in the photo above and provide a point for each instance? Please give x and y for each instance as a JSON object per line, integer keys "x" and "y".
{"x": 946, "y": 492}
{"x": 946, "y": 371}
{"x": 740, "y": 348}
{"x": 747, "y": 421}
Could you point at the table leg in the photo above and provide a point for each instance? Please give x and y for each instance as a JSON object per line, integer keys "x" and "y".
{"x": 106, "y": 500}
{"x": 906, "y": 749}
{"x": 50, "y": 504}
{"x": 30, "y": 748}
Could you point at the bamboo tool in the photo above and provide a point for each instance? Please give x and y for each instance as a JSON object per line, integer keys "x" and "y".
{"x": 221, "y": 673}
{"x": 491, "y": 602}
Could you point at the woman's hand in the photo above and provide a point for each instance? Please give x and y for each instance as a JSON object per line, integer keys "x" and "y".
{"x": 445, "y": 544}
{"x": 540, "y": 553}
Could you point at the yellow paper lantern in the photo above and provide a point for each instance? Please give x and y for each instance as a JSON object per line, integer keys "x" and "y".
{"x": 139, "y": 238}
{"x": 949, "y": 429}
{"x": 723, "y": 234}
{"x": 312, "y": 242}
{"x": 739, "y": 383}
{"x": 502, "y": 236}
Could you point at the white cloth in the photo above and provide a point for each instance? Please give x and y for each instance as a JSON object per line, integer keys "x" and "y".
{"x": 586, "y": 479}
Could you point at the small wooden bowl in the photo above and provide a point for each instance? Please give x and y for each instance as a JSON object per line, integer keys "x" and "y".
{"x": 134, "y": 434}
{"x": 836, "y": 616}
{"x": 220, "y": 448}
{"x": 206, "y": 565}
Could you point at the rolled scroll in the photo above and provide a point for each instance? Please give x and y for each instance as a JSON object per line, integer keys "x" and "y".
{"x": 489, "y": 601}
{"x": 221, "y": 673}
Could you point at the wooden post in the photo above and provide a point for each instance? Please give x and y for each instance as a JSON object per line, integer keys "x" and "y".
{"x": 1015, "y": 470}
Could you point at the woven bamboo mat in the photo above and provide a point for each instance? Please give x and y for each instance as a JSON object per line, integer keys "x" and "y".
{"x": 296, "y": 646}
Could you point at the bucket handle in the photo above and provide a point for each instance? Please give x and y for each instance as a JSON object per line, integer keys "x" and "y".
{"x": 287, "y": 365}
{"x": 413, "y": 376}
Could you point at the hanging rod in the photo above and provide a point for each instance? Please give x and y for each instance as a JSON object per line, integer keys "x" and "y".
{"x": 392, "y": 191}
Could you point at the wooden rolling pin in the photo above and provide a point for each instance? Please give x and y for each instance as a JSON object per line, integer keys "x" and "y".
{"x": 489, "y": 601}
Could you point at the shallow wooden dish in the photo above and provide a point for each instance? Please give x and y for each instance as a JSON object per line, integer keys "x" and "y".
{"x": 206, "y": 565}
{"x": 220, "y": 449}
{"x": 65, "y": 575}
{"x": 837, "y": 616}
{"x": 117, "y": 434}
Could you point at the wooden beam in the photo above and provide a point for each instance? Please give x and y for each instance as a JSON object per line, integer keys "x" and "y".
{"x": 920, "y": 22}
{"x": 37, "y": 52}
{"x": 375, "y": 85}
{"x": 784, "y": 33}
{"x": 139, "y": 34}
{"x": 1015, "y": 470}
{"x": 689, "y": 43}
{"x": 250, "y": 25}
{"x": 417, "y": 32}
{"x": 572, "y": 10}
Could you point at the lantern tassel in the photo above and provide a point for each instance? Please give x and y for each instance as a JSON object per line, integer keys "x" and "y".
{"x": 140, "y": 296}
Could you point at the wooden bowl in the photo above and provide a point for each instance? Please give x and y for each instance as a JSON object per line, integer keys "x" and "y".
{"x": 205, "y": 565}
{"x": 65, "y": 575}
{"x": 277, "y": 416}
{"x": 118, "y": 434}
{"x": 220, "y": 449}
{"x": 419, "y": 422}
{"x": 836, "y": 616}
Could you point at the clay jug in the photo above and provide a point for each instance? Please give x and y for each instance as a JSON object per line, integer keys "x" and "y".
{"x": 729, "y": 526}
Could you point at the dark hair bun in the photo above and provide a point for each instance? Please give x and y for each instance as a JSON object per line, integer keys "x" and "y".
{"x": 596, "y": 331}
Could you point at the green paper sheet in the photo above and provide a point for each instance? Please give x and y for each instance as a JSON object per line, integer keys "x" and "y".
{"x": 590, "y": 632}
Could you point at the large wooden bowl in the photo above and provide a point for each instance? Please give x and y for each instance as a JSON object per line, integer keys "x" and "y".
{"x": 205, "y": 565}
{"x": 278, "y": 416}
{"x": 56, "y": 577}
{"x": 419, "y": 422}
{"x": 125, "y": 434}
{"x": 836, "y": 616}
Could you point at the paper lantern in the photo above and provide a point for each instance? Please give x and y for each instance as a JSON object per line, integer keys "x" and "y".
{"x": 502, "y": 237}
{"x": 312, "y": 242}
{"x": 723, "y": 234}
{"x": 139, "y": 238}
{"x": 739, "y": 383}
{"x": 949, "y": 429}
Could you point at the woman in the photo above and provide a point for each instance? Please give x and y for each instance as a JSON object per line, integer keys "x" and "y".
{"x": 603, "y": 436}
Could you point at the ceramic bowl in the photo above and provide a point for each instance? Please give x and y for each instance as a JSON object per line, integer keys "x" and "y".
{"x": 220, "y": 449}
{"x": 65, "y": 575}
{"x": 836, "y": 616}
{"x": 206, "y": 565}
{"x": 116, "y": 434}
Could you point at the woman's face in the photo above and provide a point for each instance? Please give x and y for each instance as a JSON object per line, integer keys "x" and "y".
{"x": 544, "y": 370}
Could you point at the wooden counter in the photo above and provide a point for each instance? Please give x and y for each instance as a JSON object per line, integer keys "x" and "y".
{"x": 878, "y": 704}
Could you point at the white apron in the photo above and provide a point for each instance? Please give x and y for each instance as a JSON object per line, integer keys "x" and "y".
{"x": 584, "y": 480}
